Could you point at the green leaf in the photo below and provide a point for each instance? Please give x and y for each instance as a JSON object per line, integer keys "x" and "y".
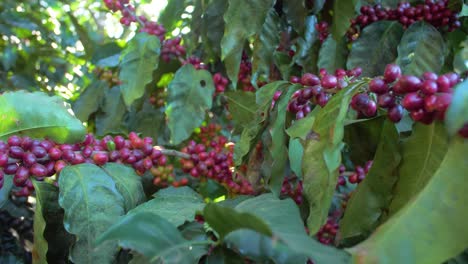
{"x": 176, "y": 205}
{"x": 333, "y": 54}
{"x": 242, "y": 107}
{"x": 373, "y": 194}
{"x": 262, "y": 248}
{"x": 421, "y": 49}
{"x": 24, "y": 113}
{"x": 224, "y": 256}
{"x": 363, "y": 139}
{"x": 92, "y": 203}
{"x": 243, "y": 19}
{"x": 308, "y": 46}
{"x": 296, "y": 151}
{"x": 139, "y": 61}
{"x": 284, "y": 219}
{"x": 457, "y": 112}
{"x": 213, "y": 24}
{"x": 89, "y": 100}
{"x": 10, "y": 57}
{"x": 154, "y": 237}
{"x": 110, "y": 119}
{"x": 300, "y": 128}
{"x": 422, "y": 155}
{"x": 343, "y": 12}
{"x": 455, "y": 5}
{"x": 211, "y": 189}
{"x": 375, "y": 48}
{"x": 317, "y": 6}
{"x": 107, "y": 55}
{"x": 278, "y": 149}
{"x": 296, "y": 14}
{"x": 460, "y": 61}
{"x": 428, "y": 228}
{"x": 172, "y": 14}
{"x": 149, "y": 121}
{"x": 189, "y": 97}
{"x": 51, "y": 241}
{"x": 127, "y": 182}
{"x": 322, "y": 156}
{"x": 265, "y": 45}
{"x": 225, "y": 220}
{"x": 5, "y": 190}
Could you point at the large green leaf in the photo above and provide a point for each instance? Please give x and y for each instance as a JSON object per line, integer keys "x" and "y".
{"x": 51, "y": 241}
{"x": 242, "y": 107}
{"x": 265, "y": 45}
{"x": 257, "y": 126}
{"x": 110, "y": 119}
{"x": 333, "y": 54}
{"x": 172, "y": 14}
{"x": 296, "y": 14}
{"x": 150, "y": 122}
{"x": 243, "y": 18}
{"x": 176, "y": 205}
{"x": 363, "y": 138}
{"x": 278, "y": 148}
{"x": 308, "y": 46}
{"x": 422, "y": 155}
{"x": 225, "y": 220}
{"x": 38, "y": 115}
{"x": 295, "y": 153}
{"x": 373, "y": 195}
{"x": 343, "y": 12}
{"x": 430, "y": 228}
{"x": 128, "y": 183}
{"x": 457, "y": 112}
{"x": 262, "y": 248}
{"x": 139, "y": 60}
{"x": 90, "y": 99}
{"x": 375, "y": 48}
{"x": 189, "y": 97}
{"x": 302, "y": 127}
{"x": 284, "y": 219}
{"x": 213, "y": 24}
{"x": 461, "y": 57}
{"x": 322, "y": 156}
{"x": 154, "y": 237}
{"x": 421, "y": 49}
{"x": 5, "y": 190}
{"x": 92, "y": 203}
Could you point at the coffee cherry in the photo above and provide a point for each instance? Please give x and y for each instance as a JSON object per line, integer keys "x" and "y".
{"x": 410, "y": 83}
{"x": 412, "y": 102}
{"x": 16, "y": 152}
{"x": 100, "y": 158}
{"x": 395, "y": 113}
{"x": 21, "y": 176}
{"x": 29, "y": 159}
{"x": 14, "y": 141}
{"x": 378, "y": 86}
{"x": 329, "y": 81}
{"x": 309, "y": 79}
{"x": 39, "y": 151}
{"x": 391, "y": 73}
{"x": 38, "y": 170}
{"x": 429, "y": 87}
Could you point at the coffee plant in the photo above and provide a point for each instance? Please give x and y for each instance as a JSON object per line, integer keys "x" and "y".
{"x": 233, "y": 131}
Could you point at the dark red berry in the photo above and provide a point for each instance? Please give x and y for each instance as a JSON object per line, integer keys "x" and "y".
{"x": 55, "y": 153}
{"x": 11, "y": 168}
{"x": 386, "y": 100}
{"x": 412, "y": 102}
{"x": 378, "y": 86}
{"x": 329, "y": 81}
{"x": 391, "y": 73}
{"x": 39, "y": 151}
{"x": 443, "y": 84}
{"x": 29, "y": 159}
{"x": 21, "y": 176}
{"x": 16, "y": 152}
{"x": 429, "y": 87}
{"x": 38, "y": 170}
{"x": 100, "y": 158}
{"x": 430, "y": 76}
{"x": 409, "y": 83}
{"x": 309, "y": 79}
{"x": 395, "y": 113}
{"x": 14, "y": 141}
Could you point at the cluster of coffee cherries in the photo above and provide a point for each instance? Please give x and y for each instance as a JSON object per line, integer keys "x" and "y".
{"x": 436, "y": 13}
{"x": 216, "y": 163}
{"x": 158, "y": 97}
{"x": 27, "y": 158}
{"x": 245, "y": 74}
{"x": 426, "y": 98}
{"x": 327, "y": 233}
{"x": 210, "y": 135}
{"x": 196, "y": 62}
{"x": 356, "y": 176}
{"x": 317, "y": 90}
{"x": 292, "y": 187}
{"x": 220, "y": 83}
{"x": 171, "y": 48}
{"x": 112, "y": 78}
{"x": 322, "y": 29}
